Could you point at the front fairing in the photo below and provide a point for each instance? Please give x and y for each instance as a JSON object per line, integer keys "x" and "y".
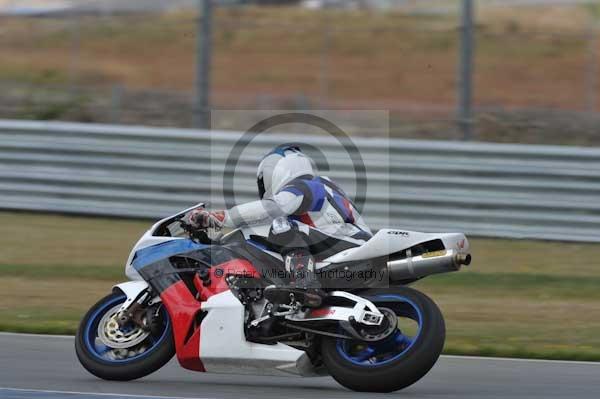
{"x": 154, "y": 236}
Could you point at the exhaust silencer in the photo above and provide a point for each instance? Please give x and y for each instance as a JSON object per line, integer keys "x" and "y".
{"x": 412, "y": 267}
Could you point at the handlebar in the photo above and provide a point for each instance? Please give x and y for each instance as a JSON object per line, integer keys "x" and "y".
{"x": 196, "y": 234}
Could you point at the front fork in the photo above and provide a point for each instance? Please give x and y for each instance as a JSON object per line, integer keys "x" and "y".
{"x": 138, "y": 299}
{"x": 133, "y": 290}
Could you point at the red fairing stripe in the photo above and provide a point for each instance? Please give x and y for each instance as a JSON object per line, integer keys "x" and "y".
{"x": 182, "y": 308}
{"x": 218, "y": 284}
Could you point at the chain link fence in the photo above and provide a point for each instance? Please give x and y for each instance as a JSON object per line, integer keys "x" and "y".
{"x": 536, "y": 71}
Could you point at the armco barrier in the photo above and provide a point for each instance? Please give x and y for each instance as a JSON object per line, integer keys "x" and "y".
{"x": 498, "y": 190}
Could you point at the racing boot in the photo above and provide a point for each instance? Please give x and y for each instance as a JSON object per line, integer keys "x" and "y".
{"x": 304, "y": 286}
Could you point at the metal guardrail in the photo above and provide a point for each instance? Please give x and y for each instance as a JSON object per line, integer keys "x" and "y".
{"x": 497, "y": 190}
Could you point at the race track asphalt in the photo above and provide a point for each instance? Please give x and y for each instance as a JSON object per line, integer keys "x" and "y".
{"x": 45, "y": 367}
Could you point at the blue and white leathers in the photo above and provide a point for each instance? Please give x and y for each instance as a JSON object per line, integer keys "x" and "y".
{"x": 292, "y": 189}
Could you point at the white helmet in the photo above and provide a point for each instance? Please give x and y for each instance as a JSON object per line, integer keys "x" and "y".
{"x": 279, "y": 167}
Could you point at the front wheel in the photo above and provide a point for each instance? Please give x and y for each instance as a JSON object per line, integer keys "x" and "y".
{"x": 124, "y": 353}
{"x": 399, "y": 360}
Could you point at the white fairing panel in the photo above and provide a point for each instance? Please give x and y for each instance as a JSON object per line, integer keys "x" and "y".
{"x": 223, "y": 345}
{"x": 388, "y": 241}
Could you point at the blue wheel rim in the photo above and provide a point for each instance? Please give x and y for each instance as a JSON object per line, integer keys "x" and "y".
{"x": 101, "y": 351}
{"x": 391, "y": 348}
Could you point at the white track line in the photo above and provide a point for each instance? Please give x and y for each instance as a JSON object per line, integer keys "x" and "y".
{"x": 512, "y": 359}
{"x": 36, "y": 335}
{"x": 516, "y": 359}
{"x": 97, "y": 393}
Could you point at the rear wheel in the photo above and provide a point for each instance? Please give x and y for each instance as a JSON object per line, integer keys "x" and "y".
{"x": 400, "y": 359}
{"x": 123, "y": 353}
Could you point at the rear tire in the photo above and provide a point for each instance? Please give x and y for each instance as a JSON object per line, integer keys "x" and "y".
{"x": 156, "y": 356}
{"x": 401, "y": 370}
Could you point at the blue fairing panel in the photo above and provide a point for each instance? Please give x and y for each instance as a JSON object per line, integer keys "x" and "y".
{"x": 154, "y": 253}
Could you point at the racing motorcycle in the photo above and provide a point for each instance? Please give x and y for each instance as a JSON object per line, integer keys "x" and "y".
{"x": 205, "y": 299}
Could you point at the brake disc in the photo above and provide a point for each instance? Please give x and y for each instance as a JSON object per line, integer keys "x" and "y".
{"x": 113, "y": 336}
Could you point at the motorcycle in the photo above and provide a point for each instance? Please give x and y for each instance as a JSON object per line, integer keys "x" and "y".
{"x": 204, "y": 298}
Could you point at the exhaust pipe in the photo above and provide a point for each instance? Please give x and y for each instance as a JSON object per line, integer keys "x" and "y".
{"x": 412, "y": 267}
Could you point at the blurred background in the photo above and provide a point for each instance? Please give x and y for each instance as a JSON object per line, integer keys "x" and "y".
{"x": 456, "y": 76}
{"x": 533, "y": 76}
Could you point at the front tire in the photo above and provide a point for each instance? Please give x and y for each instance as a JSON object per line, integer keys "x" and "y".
{"x": 149, "y": 350}
{"x": 397, "y": 361}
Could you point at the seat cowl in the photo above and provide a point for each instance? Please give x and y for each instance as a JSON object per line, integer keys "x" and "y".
{"x": 388, "y": 241}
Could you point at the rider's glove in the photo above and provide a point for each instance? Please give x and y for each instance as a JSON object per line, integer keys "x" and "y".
{"x": 200, "y": 218}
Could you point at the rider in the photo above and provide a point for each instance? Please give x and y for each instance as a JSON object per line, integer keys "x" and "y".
{"x": 305, "y": 209}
